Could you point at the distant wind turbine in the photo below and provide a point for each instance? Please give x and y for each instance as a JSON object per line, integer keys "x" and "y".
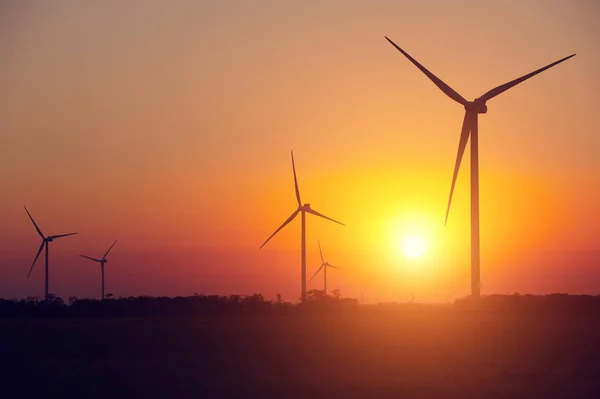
{"x": 45, "y": 242}
{"x": 303, "y": 209}
{"x": 102, "y": 262}
{"x": 470, "y": 125}
{"x": 324, "y": 266}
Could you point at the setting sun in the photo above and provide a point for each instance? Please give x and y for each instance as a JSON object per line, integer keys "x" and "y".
{"x": 413, "y": 247}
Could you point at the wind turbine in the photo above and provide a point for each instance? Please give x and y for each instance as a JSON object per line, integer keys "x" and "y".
{"x": 470, "y": 126}
{"x": 102, "y": 262}
{"x": 303, "y": 210}
{"x": 324, "y": 266}
{"x": 45, "y": 243}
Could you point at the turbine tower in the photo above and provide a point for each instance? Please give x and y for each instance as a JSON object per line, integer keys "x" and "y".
{"x": 324, "y": 266}
{"x": 303, "y": 210}
{"x": 102, "y": 262}
{"x": 45, "y": 243}
{"x": 470, "y": 126}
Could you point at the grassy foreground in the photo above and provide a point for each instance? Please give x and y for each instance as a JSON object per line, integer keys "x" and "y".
{"x": 372, "y": 352}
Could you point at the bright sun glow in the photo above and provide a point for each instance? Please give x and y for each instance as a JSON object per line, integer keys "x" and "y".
{"x": 413, "y": 247}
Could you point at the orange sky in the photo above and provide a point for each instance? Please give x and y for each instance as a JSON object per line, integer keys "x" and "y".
{"x": 168, "y": 127}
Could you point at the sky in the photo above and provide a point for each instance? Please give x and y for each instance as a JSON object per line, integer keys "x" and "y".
{"x": 168, "y": 126}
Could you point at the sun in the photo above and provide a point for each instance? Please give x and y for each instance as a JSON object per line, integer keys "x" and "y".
{"x": 413, "y": 247}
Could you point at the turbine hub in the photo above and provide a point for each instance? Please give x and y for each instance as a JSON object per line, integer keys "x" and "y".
{"x": 476, "y": 106}
{"x": 306, "y": 206}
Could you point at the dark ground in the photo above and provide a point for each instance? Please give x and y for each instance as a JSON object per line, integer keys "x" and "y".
{"x": 361, "y": 354}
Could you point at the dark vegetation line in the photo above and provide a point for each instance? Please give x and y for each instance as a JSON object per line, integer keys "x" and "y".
{"x": 199, "y": 304}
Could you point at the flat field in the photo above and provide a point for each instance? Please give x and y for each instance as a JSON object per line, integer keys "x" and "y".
{"x": 366, "y": 353}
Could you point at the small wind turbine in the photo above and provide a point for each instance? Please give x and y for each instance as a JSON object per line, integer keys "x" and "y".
{"x": 324, "y": 266}
{"x": 303, "y": 209}
{"x": 470, "y": 125}
{"x": 45, "y": 242}
{"x": 102, "y": 262}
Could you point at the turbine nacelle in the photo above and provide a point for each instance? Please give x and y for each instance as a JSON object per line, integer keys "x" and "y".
{"x": 306, "y": 207}
{"x": 476, "y": 106}
{"x": 45, "y": 241}
{"x": 470, "y": 129}
{"x": 102, "y": 260}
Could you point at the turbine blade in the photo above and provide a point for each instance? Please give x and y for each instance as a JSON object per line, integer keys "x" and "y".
{"x": 36, "y": 258}
{"x": 33, "y": 221}
{"x": 292, "y": 216}
{"x": 317, "y": 272}
{"x": 104, "y": 257}
{"x": 449, "y": 91}
{"x": 90, "y": 258}
{"x": 502, "y": 88}
{"x": 335, "y": 267}
{"x": 62, "y": 235}
{"x": 296, "y": 181}
{"x": 321, "y": 252}
{"x": 462, "y": 144}
{"x": 309, "y": 210}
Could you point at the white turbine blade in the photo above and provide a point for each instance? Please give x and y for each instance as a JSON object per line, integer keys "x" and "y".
{"x": 36, "y": 258}
{"x": 502, "y": 88}
{"x": 90, "y": 258}
{"x": 33, "y": 221}
{"x": 317, "y": 272}
{"x": 449, "y": 91}
{"x": 335, "y": 267}
{"x": 104, "y": 257}
{"x": 292, "y": 216}
{"x": 321, "y": 252}
{"x": 62, "y": 235}
{"x": 323, "y": 216}
{"x": 462, "y": 144}
{"x": 296, "y": 181}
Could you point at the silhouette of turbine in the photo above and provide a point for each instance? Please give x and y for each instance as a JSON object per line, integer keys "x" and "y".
{"x": 303, "y": 209}
{"x": 470, "y": 125}
{"x": 324, "y": 266}
{"x": 45, "y": 242}
{"x": 102, "y": 262}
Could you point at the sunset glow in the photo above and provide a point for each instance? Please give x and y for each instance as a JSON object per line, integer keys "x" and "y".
{"x": 171, "y": 133}
{"x": 413, "y": 247}
{"x": 300, "y": 199}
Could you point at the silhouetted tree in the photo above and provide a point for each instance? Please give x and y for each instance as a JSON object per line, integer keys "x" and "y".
{"x": 336, "y": 293}
{"x": 254, "y": 304}
{"x": 315, "y": 295}
{"x": 54, "y": 300}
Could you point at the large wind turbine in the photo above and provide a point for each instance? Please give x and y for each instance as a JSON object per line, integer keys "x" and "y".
{"x": 324, "y": 266}
{"x": 470, "y": 126}
{"x": 45, "y": 242}
{"x": 102, "y": 262}
{"x": 303, "y": 209}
